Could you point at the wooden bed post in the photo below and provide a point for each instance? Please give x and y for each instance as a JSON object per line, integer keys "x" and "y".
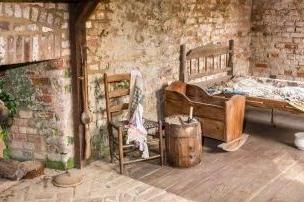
{"x": 183, "y": 64}
{"x": 231, "y": 54}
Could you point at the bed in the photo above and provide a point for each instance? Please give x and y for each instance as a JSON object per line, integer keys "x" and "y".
{"x": 211, "y": 68}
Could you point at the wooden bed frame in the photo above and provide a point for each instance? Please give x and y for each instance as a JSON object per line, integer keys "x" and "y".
{"x": 204, "y": 68}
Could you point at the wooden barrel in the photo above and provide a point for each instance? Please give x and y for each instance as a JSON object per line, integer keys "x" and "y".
{"x": 183, "y": 144}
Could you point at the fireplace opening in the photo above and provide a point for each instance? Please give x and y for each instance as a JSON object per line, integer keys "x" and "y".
{"x": 38, "y": 96}
{"x": 36, "y": 82}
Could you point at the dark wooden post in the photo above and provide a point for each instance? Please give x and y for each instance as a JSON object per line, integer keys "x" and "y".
{"x": 79, "y": 13}
{"x": 231, "y": 54}
{"x": 183, "y": 74}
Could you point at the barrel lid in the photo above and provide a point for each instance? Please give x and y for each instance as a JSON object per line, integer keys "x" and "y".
{"x": 181, "y": 120}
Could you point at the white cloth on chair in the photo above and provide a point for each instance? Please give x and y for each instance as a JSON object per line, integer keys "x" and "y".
{"x": 136, "y": 132}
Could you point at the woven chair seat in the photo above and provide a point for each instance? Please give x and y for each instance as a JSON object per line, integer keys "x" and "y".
{"x": 148, "y": 124}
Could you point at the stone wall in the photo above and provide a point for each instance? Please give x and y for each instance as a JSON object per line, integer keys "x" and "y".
{"x": 123, "y": 35}
{"x": 42, "y": 128}
{"x": 278, "y": 38}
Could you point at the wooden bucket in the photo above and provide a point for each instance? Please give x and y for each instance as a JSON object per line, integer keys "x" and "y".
{"x": 183, "y": 144}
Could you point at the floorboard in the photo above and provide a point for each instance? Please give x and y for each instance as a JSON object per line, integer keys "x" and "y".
{"x": 268, "y": 167}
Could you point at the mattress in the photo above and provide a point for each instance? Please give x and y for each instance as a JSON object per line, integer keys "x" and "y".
{"x": 274, "y": 89}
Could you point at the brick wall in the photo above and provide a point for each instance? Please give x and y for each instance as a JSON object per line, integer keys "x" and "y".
{"x": 42, "y": 128}
{"x": 33, "y": 32}
{"x": 147, "y": 35}
{"x": 278, "y": 38}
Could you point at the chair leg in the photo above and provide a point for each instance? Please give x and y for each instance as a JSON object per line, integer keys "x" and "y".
{"x": 161, "y": 145}
{"x": 111, "y": 143}
{"x": 120, "y": 147}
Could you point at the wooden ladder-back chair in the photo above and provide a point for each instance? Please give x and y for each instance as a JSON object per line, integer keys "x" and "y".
{"x": 116, "y": 90}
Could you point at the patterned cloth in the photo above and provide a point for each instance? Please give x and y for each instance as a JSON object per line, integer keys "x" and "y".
{"x": 136, "y": 131}
{"x": 290, "y": 91}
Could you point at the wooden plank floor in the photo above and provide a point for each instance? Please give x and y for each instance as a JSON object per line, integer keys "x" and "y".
{"x": 266, "y": 168}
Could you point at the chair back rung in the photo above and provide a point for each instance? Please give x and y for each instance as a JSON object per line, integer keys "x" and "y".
{"x": 118, "y": 77}
{"x": 119, "y": 93}
{"x": 118, "y": 108}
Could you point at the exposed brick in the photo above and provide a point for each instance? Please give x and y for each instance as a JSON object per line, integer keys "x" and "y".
{"x": 45, "y": 115}
{"x": 261, "y": 65}
{"x": 287, "y": 72}
{"x": 36, "y": 139}
{"x": 44, "y": 98}
{"x": 282, "y": 31}
{"x": 34, "y": 14}
{"x": 65, "y": 52}
{"x": 27, "y": 49}
{"x": 28, "y": 146}
{"x": 274, "y": 55}
{"x": 57, "y": 47}
{"x": 41, "y": 81}
{"x": 57, "y": 21}
{"x": 35, "y": 48}
{"x": 3, "y": 46}
{"x": 65, "y": 44}
{"x": 300, "y": 74}
{"x": 300, "y": 24}
{"x": 62, "y": 6}
{"x": 19, "y": 137}
{"x": 22, "y": 130}
{"x": 50, "y": 19}
{"x": 297, "y": 35}
{"x": 32, "y": 131}
{"x": 8, "y": 9}
{"x": 1, "y": 8}
{"x": 290, "y": 29}
{"x": 19, "y": 49}
{"x": 18, "y": 11}
{"x": 56, "y": 64}
{"x": 26, "y": 12}
{"x": 11, "y": 49}
{"x": 92, "y": 42}
{"x": 25, "y": 114}
{"x": 14, "y": 129}
{"x": 43, "y": 16}
{"x": 4, "y": 25}
{"x": 88, "y": 24}
{"x": 16, "y": 144}
{"x": 49, "y": 5}
{"x": 21, "y": 121}
{"x": 291, "y": 46}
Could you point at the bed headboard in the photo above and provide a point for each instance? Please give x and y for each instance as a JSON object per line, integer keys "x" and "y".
{"x": 206, "y": 61}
